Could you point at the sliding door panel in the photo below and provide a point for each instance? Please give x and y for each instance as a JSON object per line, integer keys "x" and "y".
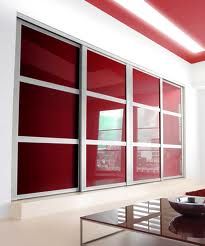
{"x": 145, "y": 89}
{"x": 49, "y": 59}
{"x": 105, "y": 120}
{"x": 105, "y": 165}
{"x": 105, "y": 75}
{"x": 146, "y": 163}
{"x": 46, "y": 112}
{"x": 172, "y": 162}
{"x": 46, "y": 167}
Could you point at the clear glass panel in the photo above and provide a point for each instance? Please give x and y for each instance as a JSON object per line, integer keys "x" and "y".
{"x": 146, "y": 89}
{"x": 145, "y": 125}
{"x": 46, "y": 167}
{"x": 105, "y": 120}
{"x": 45, "y": 112}
{"x": 105, "y": 75}
{"x": 172, "y": 162}
{"x": 172, "y": 130}
{"x": 105, "y": 164}
{"x": 171, "y": 98}
{"x": 146, "y": 163}
{"x": 49, "y": 59}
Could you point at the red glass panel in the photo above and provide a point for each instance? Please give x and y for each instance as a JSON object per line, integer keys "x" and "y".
{"x": 105, "y": 165}
{"x": 46, "y": 167}
{"x": 49, "y": 59}
{"x": 172, "y": 129}
{"x": 105, "y": 75}
{"x": 146, "y": 125}
{"x": 46, "y": 112}
{"x": 146, "y": 89}
{"x": 172, "y": 162}
{"x": 171, "y": 98}
{"x": 105, "y": 120}
{"x": 146, "y": 163}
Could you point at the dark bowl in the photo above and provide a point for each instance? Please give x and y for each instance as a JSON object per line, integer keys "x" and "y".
{"x": 188, "y": 205}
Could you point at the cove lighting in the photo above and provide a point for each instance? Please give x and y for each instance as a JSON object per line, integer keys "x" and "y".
{"x": 147, "y": 13}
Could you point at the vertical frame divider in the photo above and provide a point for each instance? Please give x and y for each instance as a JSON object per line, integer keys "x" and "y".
{"x": 183, "y": 131}
{"x": 161, "y": 132}
{"x": 129, "y": 124}
{"x": 14, "y": 172}
{"x": 82, "y": 118}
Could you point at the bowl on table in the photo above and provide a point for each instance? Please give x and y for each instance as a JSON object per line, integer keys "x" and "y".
{"x": 188, "y": 205}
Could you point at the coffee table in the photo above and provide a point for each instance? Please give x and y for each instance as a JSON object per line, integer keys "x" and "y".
{"x": 155, "y": 218}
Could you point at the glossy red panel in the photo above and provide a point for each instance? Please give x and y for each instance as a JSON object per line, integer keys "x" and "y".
{"x": 48, "y": 59}
{"x": 145, "y": 125}
{"x": 172, "y": 129}
{"x": 105, "y": 165}
{"x": 105, "y": 120}
{"x": 105, "y": 75}
{"x": 146, "y": 89}
{"x": 172, "y": 162}
{"x": 146, "y": 163}
{"x": 46, "y": 167}
{"x": 171, "y": 98}
{"x": 46, "y": 112}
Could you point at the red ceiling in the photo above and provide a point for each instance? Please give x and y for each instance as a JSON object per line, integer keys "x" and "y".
{"x": 188, "y": 15}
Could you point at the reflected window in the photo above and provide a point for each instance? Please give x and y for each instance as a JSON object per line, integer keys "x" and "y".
{"x": 105, "y": 120}
{"x": 110, "y": 124}
{"x": 146, "y": 125}
{"x": 108, "y": 158}
{"x": 146, "y": 163}
{"x": 105, "y": 164}
{"x": 144, "y": 209}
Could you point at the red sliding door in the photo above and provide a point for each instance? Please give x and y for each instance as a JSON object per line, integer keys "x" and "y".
{"x": 48, "y": 113}
{"x": 146, "y": 126}
{"x": 172, "y": 130}
{"x": 106, "y": 118}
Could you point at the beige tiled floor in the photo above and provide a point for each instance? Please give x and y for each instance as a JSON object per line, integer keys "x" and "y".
{"x": 62, "y": 229}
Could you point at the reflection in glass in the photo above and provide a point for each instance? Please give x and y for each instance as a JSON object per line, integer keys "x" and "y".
{"x": 105, "y": 120}
{"x": 188, "y": 226}
{"x": 146, "y": 163}
{"x": 121, "y": 215}
{"x": 108, "y": 158}
{"x": 110, "y": 125}
{"x": 157, "y": 218}
{"x": 146, "y": 125}
{"x": 105, "y": 164}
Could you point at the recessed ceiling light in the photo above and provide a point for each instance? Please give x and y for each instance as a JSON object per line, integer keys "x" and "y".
{"x": 147, "y": 13}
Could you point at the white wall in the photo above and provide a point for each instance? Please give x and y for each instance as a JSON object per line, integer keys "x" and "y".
{"x": 198, "y": 74}
{"x": 198, "y": 78}
{"x": 78, "y": 18}
{"x": 201, "y": 110}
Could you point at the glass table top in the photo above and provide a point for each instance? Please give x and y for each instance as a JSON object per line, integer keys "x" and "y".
{"x": 154, "y": 217}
